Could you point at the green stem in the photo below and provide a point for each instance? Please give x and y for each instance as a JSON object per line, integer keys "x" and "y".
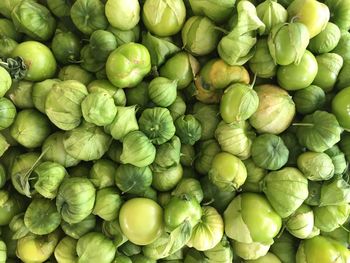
{"x": 254, "y": 80}
{"x": 303, "y": 124}
{"x": 222, "y": 30}
{"x": 343, "y": 227}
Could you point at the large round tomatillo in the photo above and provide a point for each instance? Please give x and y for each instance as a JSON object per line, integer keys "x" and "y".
{"x": 141, "y": 220}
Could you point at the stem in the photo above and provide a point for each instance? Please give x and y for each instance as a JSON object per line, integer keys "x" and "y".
{"x": 282, "y": 230}
{"x": 293, "y": 18}
{"x": 303, "y": 124}
{"x": 254, "y": 80}
{"x": 222, "y": 30}
{"x": 343, "y": 227}
{"x": 209, "y": 202}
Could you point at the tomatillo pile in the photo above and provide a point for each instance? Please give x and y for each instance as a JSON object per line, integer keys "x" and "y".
{"x": 174, "y": 131}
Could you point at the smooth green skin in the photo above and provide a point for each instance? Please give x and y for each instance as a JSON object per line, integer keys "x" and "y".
{"x": 88, "y": 15}
{"x": 35, "y": 249}
{"x": 312, "y": 13}
{"x": 66, "y": 47}
{"x": 7, "y": 113}
{"x": 199, "y": 35}
{"x": 10, "y": 208}
{"x": 128, "y": 65}
{"x": 321, "y": 249}
{"x": 238, "y": 103}
{"x": 181, "y": 208}
{"x": 295, "y": 77}
{"x": 141, "y": 220}
{"x": 123, "y": 14}
{"x": 168, "y": 179}
{"x": 326, "y": 40}
{"x": 5, "y": 81}
{"x": 178, "y": 67}
{"x": 261, "y": 221}
{"x": 341, "y": 107}
{"x": 30, "y": 128}
{"x": 95, "y": 247}
{"x": 39, "y": 59}
{"x": 329, "y": 66}
{"x": 41, "y": 216}
{"x": 227, "y": 172}
{"x": 288, "y": 42}
{"x": 163, "y": 17}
